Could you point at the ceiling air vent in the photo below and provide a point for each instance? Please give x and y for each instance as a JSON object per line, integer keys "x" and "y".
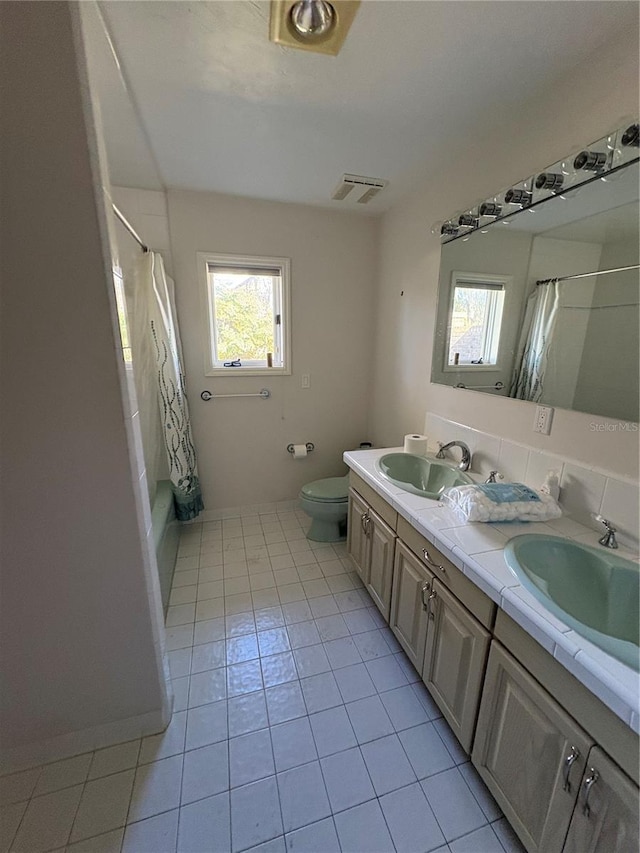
{"x": 367, "y": 188}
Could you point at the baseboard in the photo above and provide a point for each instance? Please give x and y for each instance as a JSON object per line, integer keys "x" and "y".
{"x": 66, "y": 746}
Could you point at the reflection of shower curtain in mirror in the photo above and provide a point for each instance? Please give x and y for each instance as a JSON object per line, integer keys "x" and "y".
{"x": 174, "y": 409}
{"x": 535, "y": 340}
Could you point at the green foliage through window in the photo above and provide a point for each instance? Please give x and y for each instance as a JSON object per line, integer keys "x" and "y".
{"x": 244, "y": 314}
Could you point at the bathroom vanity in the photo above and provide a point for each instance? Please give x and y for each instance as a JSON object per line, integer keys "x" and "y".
{"x": 556, "y": 746}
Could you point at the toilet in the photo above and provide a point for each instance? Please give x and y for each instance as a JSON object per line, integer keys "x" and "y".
{"x": 326, "y": 503}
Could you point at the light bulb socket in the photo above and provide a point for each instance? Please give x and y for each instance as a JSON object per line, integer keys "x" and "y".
{"x": 490, "y": 208}
{"x": 449, "y": 229}
{"x": 631, "y": 136}
{"x": 590, "y": 161}
{"x": 312, "y": 19}
{"x": 517, "y": 196}
{"x": 549, "y": 181}
{"x": 468, "y": 220}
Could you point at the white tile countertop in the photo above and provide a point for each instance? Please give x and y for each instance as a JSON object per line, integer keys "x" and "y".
{"x": 477, "y": 550}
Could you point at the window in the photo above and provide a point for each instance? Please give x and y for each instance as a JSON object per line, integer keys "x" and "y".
{"x": 247, "y": 314}
{"x": 477, "y": 304}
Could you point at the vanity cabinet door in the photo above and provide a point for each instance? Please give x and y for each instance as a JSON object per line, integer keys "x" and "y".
{"x": 382, "y": 541}
{"x": 357, "y": 539}
{"x": 605, "y": 818}
{"x": 454, "y": 661}
{"x": 412, "y": 584}
{"x": 530, "y": 754}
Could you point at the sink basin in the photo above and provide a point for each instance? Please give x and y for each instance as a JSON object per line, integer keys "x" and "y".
{"x": 592, "y": 590}
{"x": 419, "y": 474}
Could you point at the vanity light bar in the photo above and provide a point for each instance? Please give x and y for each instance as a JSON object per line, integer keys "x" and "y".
{"x": 595, "y": 161}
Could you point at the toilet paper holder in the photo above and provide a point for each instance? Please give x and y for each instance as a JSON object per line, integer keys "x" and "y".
{"x": 309, "y": 445}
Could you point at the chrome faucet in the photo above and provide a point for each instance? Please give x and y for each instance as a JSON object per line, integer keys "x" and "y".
{"x": 609, "y": 538}
{"x": 493, "y": 477}
{"x": 465, "y": 462}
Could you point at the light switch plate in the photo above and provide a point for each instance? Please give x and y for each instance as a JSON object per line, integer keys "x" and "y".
{"x": 306, "y": 380}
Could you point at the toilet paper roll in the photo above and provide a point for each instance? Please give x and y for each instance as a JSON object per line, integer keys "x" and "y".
{"x": 299, "y": 451}
{"x": 416, "y": 444}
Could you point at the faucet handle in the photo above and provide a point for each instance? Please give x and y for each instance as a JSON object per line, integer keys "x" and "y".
{"x": 609, "y": 538}
{"x": 607, "y": 524}
{"x": 440, "y": 453}
{"x": 494, "y": 476}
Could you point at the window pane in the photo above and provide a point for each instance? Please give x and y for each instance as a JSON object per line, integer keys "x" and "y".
{"x": 467, "y": 324}
{"x": 244, "y": 316}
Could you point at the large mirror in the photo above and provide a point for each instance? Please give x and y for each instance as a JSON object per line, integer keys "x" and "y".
{"x": 506, "y": 326}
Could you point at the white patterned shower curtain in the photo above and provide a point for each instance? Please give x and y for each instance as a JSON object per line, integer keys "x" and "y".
{"x": 172, "y": 400}
{"x": 535, "y": 341}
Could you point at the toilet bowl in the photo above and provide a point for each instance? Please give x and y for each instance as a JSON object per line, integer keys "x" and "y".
{"x": 326, "y": 503}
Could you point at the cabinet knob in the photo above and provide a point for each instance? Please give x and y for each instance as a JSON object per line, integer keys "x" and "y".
{"x": 587, "y": 785}
{"x": 430, "y": 562}
{"x": 568, "y": 764}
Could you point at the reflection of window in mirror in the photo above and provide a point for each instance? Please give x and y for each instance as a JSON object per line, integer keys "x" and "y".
{"x": 475, "y": 320}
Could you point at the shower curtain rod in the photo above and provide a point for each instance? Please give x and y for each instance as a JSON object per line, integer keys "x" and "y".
{"x": 129, "y": 227}
{"x": 587, "y": 274}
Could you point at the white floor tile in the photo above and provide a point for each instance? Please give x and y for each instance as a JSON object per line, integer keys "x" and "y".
{"x": 450, "y": 741}
{"x": 323, "y": 606}
{"x": 483, "y": 839}
{"x": 255, "y": 814}
{"x": 180, "y": 637}
{"x": 156, "y": 788}
{"x": 279, "y": 668}
{"x": 411, "y": 821}
{"x": 490, "y": 808}
{"x": 242, "y": 648}
{"x": 18, "y": 786}
{"x": 207, "y": 687}
{"x": 403, "y": 708}
{"x": 206, "y": 724}
{"x": 320, "y": 837}
{"x": 293, "y": 744}
{"x": 311, "y": 660}
{"x": 425, "y": 750}
{"x": 303, "y": 634}
{"x": 104, "y": 805}
{"x": 47, "y": 821}
{"x": 364, "y": 828}
{"x": 179, "y": 662}
{"x": 208, "y": 655}
{"x": 114, "y": 759}
{"x": 347, "y": 780}
{"x": 371, "y": 645}
{"x": 285, "y": 702}
{"x": 369, "y": 719}
{"x": 167, "y": 743}
{"x": 303, "y": 798}
{"x": 385, "y": 673}
{"x": 205, "y": 772}
{"x": 209, "y": 631}
{"x": 108, "y": 842}
{"x": 269, "y": 617}
{"x": 355, "y": 682}
{"x": 158, "y": 833}
{"x": 63, "y": 774}
{"x": 320, "y": 692}
{"x": 205, "y": 826}
{"x": 297, "y": 611}
{"x": 342, "y": 652}
{"x": 247, "y": 713}
{"x": 332, "y": 731}
{"x": 387, "y": 764}
{"x": 273, "y": 641}
{"x": 332, "y": 627}
{"x": 359, "y": 621}
{"x": 250, "y": 758}
{"x": 244, "y": 678}
{"x": 453, "y": 804}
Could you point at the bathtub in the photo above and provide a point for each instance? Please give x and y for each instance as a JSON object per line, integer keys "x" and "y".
{"x": 166, "y": 533}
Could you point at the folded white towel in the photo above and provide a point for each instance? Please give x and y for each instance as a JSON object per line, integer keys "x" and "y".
{"x": 500, "y": 502}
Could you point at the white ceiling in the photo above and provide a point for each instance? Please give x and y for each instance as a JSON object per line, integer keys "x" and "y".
{"x": 224, "y": 109}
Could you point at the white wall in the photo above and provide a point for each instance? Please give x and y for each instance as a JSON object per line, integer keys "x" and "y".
{"x": 577, "y": 109}
{"x": 242, "y": 443}
{"x": 81, "y": 658}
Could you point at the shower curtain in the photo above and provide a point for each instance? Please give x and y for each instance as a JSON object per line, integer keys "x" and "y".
{"x": 172, "y": 400}
{"x": 535, "y": 341}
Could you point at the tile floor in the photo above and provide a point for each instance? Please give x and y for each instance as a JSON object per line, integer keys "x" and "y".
{"x": 299, "y": 724}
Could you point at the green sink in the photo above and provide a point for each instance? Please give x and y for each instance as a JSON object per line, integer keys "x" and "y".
{"x": 592, "y": 590}
{"x": 420, "y": 474}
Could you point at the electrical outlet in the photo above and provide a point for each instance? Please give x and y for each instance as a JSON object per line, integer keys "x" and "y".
{"x": 306, "y": 380}
{"x": 543, "y": 418}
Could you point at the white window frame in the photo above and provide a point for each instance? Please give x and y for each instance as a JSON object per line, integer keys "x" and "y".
{"x": 282, "y": 307}
{"x": 459, "y": 279}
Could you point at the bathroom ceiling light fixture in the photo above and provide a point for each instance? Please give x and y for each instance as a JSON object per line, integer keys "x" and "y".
{"x": 370, "y": 187}
{"x": 316, "y": 25}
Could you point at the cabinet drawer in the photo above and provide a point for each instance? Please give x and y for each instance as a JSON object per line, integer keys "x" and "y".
{"x": 385, "y": 511}
{"x": 467, "y": 592}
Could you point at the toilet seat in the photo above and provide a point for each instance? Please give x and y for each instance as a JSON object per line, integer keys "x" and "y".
{"x": 329, "y": 490}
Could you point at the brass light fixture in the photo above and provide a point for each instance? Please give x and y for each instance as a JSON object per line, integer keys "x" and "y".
{"x": 316, "y": 25}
